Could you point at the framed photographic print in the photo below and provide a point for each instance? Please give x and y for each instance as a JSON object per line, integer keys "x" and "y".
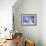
{"x": 29, "y": 19}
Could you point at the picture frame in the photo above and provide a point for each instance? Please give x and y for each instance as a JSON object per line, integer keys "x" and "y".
{"x": 29, "y": 19}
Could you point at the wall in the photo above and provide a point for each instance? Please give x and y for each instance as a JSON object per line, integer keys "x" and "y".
{"x": 43, "y": 22}
{"x": 6, "y": 13}
{"x": 29, "y": 32}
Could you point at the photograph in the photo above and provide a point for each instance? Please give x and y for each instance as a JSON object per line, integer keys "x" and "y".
{"x": 22, "y": 22}
{"x": 29, "y": 19}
